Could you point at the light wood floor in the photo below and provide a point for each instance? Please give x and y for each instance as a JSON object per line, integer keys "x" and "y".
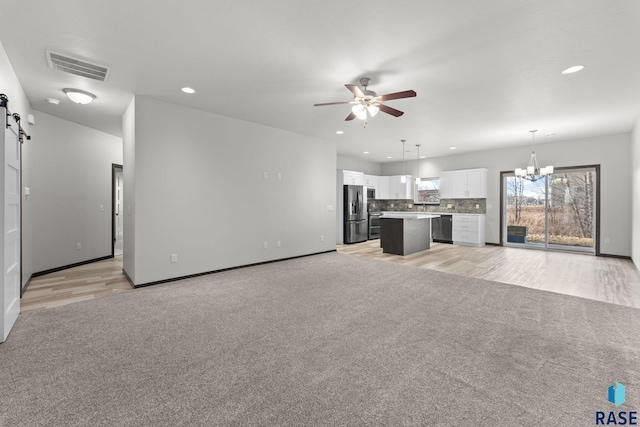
{"x": 604, "y": 279}
{"x": 75, "y": 284}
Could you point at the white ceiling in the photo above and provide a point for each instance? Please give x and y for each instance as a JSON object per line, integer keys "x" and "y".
{"x": 486, "y": 71}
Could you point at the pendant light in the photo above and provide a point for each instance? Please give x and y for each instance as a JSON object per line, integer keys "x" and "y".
{"x": 418, "y": 165}
{"x": 533, "y": 171}
{"x": 403, "y": 178}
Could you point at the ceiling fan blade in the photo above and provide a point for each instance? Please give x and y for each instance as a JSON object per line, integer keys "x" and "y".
{"x": 332, "y": 103}
{"x": 351, "y": 116}
{"x": 398, "y": 95}
{"x": 356, "y": 90}
{"x": 389, "y": 110}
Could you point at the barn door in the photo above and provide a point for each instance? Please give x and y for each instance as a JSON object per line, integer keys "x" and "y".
{"x": 10, "y": 295}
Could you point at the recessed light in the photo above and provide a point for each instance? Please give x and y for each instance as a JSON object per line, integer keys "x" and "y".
{"x": 452, "y": 148}
{"x": 79, "y": 96}
{"x": 339, "y": 132}
{"x": 389, "y": 157}
{"x": 423, "y": 157}
{"x": 573, "y": 69}
{"x": 365, "y": 152}
{"x": 187, "y": 90}
{"x": 53, "y": 101}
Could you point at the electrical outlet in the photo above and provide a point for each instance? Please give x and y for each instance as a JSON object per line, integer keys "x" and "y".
{"x": 265, "y": 245}
{"x": 477, "y": 206}
{"x": 174, "y": 258}
{"x": 391, "y": 204}
{"x": 279, "y": 244}
{"x": 322, "y": 238}
{"x": 266, "y": 175}
{"x": 449, "y": 205}
{"x": 329, "y": 207}
{"x": 101, "y": 208}
{"x": 607, "y": 240}
{"x": 279, "y": 175}
{"x": 78, "y": 246}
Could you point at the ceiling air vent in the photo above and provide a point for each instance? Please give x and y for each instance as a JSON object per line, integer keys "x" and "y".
{"x": 77, "y": 66}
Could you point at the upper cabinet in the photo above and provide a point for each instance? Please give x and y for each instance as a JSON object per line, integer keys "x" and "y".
{"x": 387, "y": 187}
{"x": 371, "y": 181}
{"x": 399, "y": 189}
{"x": 382, "y": 192}
{"x": 353, "y": 178}
{"x": 464, "y": 184}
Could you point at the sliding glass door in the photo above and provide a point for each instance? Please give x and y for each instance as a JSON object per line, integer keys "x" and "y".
{"x": 551, "y": 212}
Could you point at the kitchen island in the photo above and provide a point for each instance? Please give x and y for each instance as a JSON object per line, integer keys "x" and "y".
{"x": 404, "y": 233}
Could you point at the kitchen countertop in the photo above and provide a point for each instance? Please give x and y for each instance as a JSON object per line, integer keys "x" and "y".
{"x": 388, "y": 214}
{"x": 409, "y": 215}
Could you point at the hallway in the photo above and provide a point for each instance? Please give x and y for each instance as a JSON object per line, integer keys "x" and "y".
{"x": 75, "y": 284}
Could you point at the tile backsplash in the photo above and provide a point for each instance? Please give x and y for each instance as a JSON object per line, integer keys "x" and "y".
{"x": 457, "y": 206}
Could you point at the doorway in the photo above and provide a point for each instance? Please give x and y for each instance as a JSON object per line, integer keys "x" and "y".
{"x": 117, "y": 223}
{"x": 554, "y": 212}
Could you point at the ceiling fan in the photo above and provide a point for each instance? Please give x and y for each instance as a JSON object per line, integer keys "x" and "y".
{"x": 367, "y": 102}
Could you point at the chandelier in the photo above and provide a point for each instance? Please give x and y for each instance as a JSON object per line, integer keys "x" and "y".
{"x": 533, "y": 171}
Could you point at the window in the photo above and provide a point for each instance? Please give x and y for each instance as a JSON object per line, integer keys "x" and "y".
{"x": 428, "y": 191}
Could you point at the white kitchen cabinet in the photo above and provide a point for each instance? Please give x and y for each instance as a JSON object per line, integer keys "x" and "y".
{"x": 464, "y": 184}
{"x": 399, "y": 189}
{"x": 477, "y": 183}
{"x": 446, "y": 191}
{"x": 382, "y": 192}
{"x": 353, "y": 177}
{"x": 371, "y": 181}
{"x": 469, "y": 229}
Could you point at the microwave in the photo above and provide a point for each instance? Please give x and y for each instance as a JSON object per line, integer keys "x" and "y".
{"x": 371, "y": 193}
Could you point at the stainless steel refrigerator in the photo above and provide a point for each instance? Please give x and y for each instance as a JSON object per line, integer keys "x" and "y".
{"x": 356, "y": 227}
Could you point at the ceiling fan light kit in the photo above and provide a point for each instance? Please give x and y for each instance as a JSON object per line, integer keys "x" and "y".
{"x": 366, "y": 103}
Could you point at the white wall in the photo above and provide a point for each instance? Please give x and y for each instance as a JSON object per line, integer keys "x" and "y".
{"x": 10, "y": 86}
{"x": 369, "y": 168}
{"x": 18, "y": 103}
{"x": 635, "y": 194}
{"x": 612, "y": 152}
{"x": 200, "y": 192}
{"x": 128, "y": 171}
{"x": 70, "y": 179}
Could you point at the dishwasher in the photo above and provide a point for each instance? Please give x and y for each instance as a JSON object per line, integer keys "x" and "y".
{"x": 442, "y": 229}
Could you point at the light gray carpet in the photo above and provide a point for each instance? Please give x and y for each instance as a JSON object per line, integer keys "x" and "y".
{"x": 326, "y": 340}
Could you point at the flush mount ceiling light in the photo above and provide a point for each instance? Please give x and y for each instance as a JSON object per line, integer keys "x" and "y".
{"x": 533, "y": 172}
{"x": 339, "y": 132}
{"x": 573, "y": 69}
{"x": 79, "y": 96}
{"x": 188, "y": 90}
